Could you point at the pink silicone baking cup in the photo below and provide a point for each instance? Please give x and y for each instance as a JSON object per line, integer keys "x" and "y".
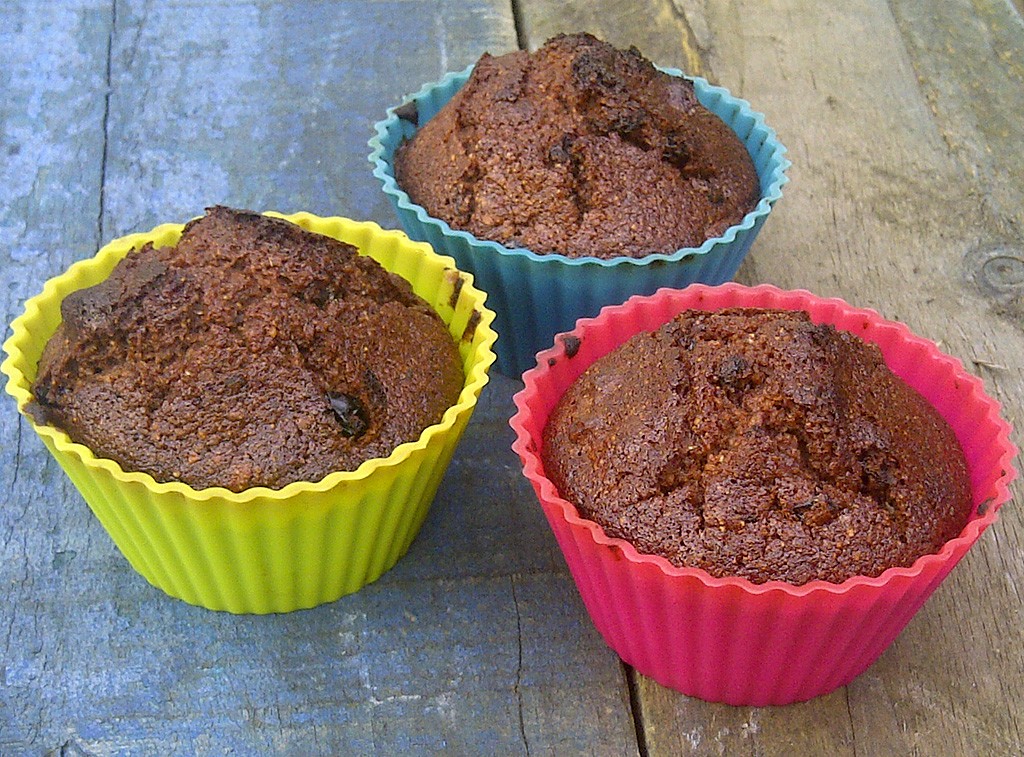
{"x": 727, "y": 639}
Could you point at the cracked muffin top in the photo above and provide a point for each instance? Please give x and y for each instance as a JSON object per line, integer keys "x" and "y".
{"x": 252, "y": 353}
{"x": 580, "y": 149}
{"x": 756, "y": 443}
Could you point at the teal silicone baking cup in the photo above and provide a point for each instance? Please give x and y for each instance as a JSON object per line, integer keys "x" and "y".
{"x": 537, "y": 296}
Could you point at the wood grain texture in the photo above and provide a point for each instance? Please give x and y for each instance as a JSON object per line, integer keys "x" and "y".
{"x": 51, "y": 144}
{"x": 902, "y": 121}
{"x": 120, "y": 116}
{"x": 269, "y": 105}
{"x": 679, "y": 725}
{"x": 659, "y": 29}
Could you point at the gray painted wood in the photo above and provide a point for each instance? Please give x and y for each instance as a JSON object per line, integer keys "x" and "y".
{"x": 269, "y": 105}
{"x": 902, "y": 121}
{"x": 476, "y": 642}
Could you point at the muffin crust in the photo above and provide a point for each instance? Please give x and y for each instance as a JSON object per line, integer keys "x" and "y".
{"x": 579, "y": 149}
{"x": 252, "y": 353}
{"x": 755, "y": 443}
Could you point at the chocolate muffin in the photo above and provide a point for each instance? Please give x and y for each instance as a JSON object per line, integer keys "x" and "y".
{"x": 579, "y": 149}
{"x": 755, "y": 443}
{"x": 252, "y": 353}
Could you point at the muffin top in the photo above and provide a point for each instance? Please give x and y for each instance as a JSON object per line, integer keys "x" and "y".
{"x": 755, "y": 443}
{"x": 252, "y": 353}
{"x": 580, "y": 149}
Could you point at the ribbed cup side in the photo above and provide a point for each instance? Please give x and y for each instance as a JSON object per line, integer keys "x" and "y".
{"x": 720, "y": 643}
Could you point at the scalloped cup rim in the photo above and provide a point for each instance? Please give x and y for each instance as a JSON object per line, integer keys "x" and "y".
{"x": 18, "y": 384}
{"x": 384, "y": 171}
{"x": 977, "y": 523}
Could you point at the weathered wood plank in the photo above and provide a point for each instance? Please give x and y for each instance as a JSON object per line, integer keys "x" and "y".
{"x": 659, "y": 29}
{"x": 680, "y": 725}
{"x": 269, "y": 105}
{"x": 475, "y": 643}
{"x": 900, "y": 190}
{"x": 901, "y": 120}
{"x": 51, "y": 154}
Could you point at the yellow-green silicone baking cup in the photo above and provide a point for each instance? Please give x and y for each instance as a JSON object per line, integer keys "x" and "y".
{"x": 269, "y": 550}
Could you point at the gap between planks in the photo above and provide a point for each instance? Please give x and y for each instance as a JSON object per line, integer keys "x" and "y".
{"x": 636, "y": 709}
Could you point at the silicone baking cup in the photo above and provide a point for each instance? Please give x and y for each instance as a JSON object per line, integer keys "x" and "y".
{"x": 536, "y": 296}
{"x": 269, "y": 550}
{"x": 727, "y": 639}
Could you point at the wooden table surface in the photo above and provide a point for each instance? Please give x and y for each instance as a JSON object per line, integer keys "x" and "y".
{"x": 903, "y": 121}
